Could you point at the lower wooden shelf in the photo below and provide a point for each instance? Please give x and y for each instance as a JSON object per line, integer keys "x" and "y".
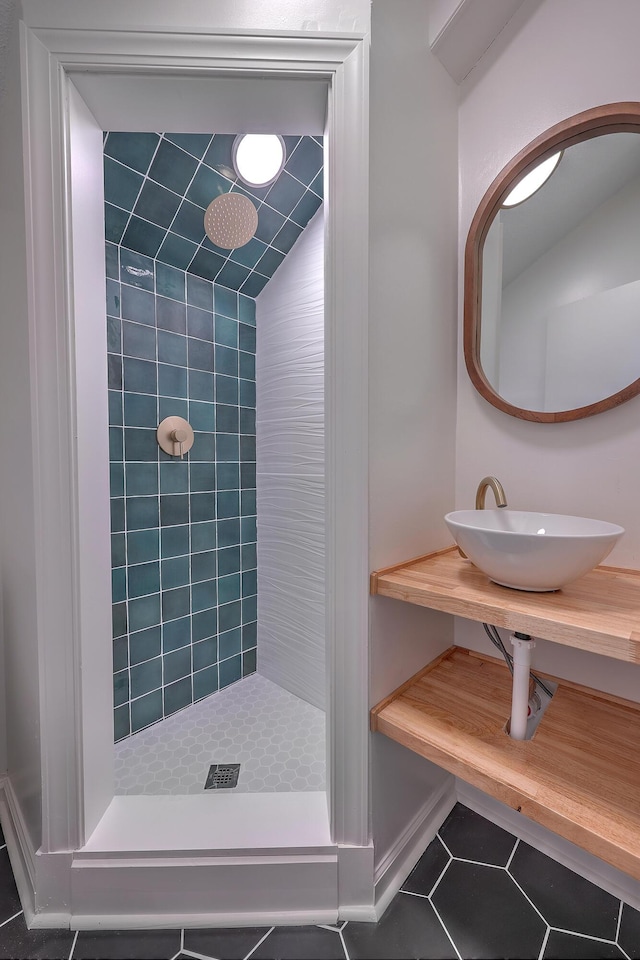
{"x": 579, "y": 775}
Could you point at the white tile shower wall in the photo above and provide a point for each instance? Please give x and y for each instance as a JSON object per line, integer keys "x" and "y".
{"x": 290, "y": 471}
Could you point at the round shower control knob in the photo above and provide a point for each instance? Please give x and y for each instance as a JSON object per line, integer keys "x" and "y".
{"x": 175, "y": 436}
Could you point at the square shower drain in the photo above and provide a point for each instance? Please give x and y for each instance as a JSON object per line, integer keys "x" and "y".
{"x": 222, "y": 776}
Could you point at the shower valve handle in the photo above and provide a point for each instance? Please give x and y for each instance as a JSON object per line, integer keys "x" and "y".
{"x": 179, "y": 436}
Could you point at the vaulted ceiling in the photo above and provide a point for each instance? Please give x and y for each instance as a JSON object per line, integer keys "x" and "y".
{"x": 158, "y": 186}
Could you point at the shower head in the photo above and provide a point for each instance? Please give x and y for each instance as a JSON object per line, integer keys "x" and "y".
{"x": 230, "y": 220}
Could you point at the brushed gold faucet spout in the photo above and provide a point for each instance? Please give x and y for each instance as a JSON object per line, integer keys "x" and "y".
{"x": 498, "y": 492}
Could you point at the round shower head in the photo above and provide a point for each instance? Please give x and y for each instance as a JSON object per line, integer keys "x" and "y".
{"x": 230, "y": 220}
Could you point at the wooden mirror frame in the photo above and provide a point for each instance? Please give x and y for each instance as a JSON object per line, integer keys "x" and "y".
{"x": 609, "y": 118}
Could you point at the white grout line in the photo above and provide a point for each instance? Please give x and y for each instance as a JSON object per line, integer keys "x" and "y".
{"x": 9, "y": 919}
{"x": 262, "y": 939}
{"x": 544, "y": 943}
{"x": 619, "y": 923}
{"x": 73, "y": 945}
{"x": 479, "y": 863}
{"x": 513, "y": 852}
{"x": 585, "y": 936}
{"x": 526, "y": 896}
{"x": 343, "y": 942}
{"x": 435, "y": 910}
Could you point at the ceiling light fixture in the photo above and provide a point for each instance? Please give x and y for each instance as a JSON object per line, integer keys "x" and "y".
{"x": 258, "y": 158}
{"x": 532, "y": 182}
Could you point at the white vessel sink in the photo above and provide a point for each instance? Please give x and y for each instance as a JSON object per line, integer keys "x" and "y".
{"x": 532, "y": 551}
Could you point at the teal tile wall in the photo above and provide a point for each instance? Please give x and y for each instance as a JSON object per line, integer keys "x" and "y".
{"x": 184, "y": 576}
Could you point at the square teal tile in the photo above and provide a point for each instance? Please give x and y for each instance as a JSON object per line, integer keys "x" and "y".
{"x": 202, "y": 416}
{"x": 200, "y": 353}
{"x": 204, "y": 448}
{"x": 201, "y": 385}
{"x": 177, "y": 665}
{"x": 230, "y": 670}
{"x": 194, "y": 143}
{"x": 206, "y": 185}
{"x": 204, "y": 625}
{"x": 269, "y": 263}
{"x": 176, "y": 603}
{"x": 249, "y": 254}
{"x": 146, "y": 677}
{"x": 229, "y": 588}
{"x": 287, "y": 236}
{"x": 228, "y": 533}
{"x": 119, "y": 619}
{"x": 114, "y": 335}
{"x": 228, "y": 560}
{"x": 248, "y": 502}
{"x": 189, "y": 222}
{"x": 306, "y": 209}
{"x": 174, "y": 541}
{"x": 143, "y": 236}
{"x": 118, "y": 584}
{"x": 140, "y": 376}
{"x": 230, "y": 643}
{"x": 203, "y": 477}
{"x": 115, "y": 220}
{"x": 227, "y": 418}
{"x": 249, "y": 635}
{"x": 228, "y": 476}
{"x": 227, "y": 447}
{"x": 144, "y": 612}
{"x": 205, "y": 653}
{"x": 174, "y": 509}
{"x": 140, "y": 410}
{"x": 200, "y": 293}
{"x": 254, "y": 284}
{"x": 172, "y": 348}
{"x": 247, "y": 393}
{"x": 247, "y": 420}
{"x": 146, "y": 710}
{"x": 203, "y": 536}
{"x": 172, "y": 381}
{"x": 203, "y": 507}
{"x": 114, "y": 298}
{"x": 121, "y": 723}
{"x": 249, "y": 583}
{"x": 120, "y": 653}
{"x": 249, "y": 609}
{"x": 115, "y": 408}
{"x": 225, "y": 302}
{"x": 118, "y": 550}
{"x": 205, "y": 682}
{"x": 247, "y": 310}
{"x": 247, "y": 338}
{"x": 269, "y": 224}
{"x": 174, "y": 476}
{"x": 226, "y": 390}
{"x": 143, "y": 545}
{"x": 142, "y": 479}
{"x": 249, "y": 556}
{"x": 176, "y": 634}
{"x": 115, "y": 443}
{"x": 232, "y": 275}
{"x": 175, "y": 572}
{"x": 305, "y": 161}
{"x": 199, "y": 323}
{"x": 228, "y": 504}
{"x": 156, "y": 204}
{"x": 247, "y": 475}
{"x": 177, "y": 695}
{"x": 117, "y": 514}
{"x": 120, "y": 687}
{"x": 206, "y": 264}
{"x": 170, "y": 282}
{"x": 249, "y": 662}
{"x": 121, "y": 184}
{"x": 226, "y": 331}
{"x": 172, "y": 407}
{"x": 144, "y": 645}
{"x": 229, "y": 615}
{"x": 171, "y": 315}
{"x": 138, "y": 341}
{"x": 203, "y": 566}
{"x": 116, "y": 479}
{"x": 204, "y": 595}
{"x": 176, "y": 251}
{"x": 136, "y": 270}
{"x": 143, "y": 579}
{"x": 247, "y": 366}
{"x": 133, "y": 149}
{"x": 140, "y": 443}
{"x": 172, "y": 167}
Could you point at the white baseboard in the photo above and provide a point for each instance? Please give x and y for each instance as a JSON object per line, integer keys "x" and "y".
{"x": 400, "y": 860}
{"x": 585, "y": 864}
{"x": 20, "y": 849}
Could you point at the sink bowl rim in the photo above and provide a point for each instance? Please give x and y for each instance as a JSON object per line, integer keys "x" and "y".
{"x": 593, "y": 527}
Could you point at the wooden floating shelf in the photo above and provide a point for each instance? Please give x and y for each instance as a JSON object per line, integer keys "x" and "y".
{"x": 599, "y": 612}
{"x": 579, "y": 775}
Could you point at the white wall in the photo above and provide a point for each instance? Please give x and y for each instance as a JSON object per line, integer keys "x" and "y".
{"x": 589, "y": 467}
{"x": 290, "y": 470}
{"x": 18, "y": 556}
{"x": 412, "y": 296}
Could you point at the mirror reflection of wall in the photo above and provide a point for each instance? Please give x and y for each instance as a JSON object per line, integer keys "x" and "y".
{"x": 560, "y": 323}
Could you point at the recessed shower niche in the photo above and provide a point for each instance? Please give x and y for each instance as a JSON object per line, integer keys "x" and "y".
{"x": 217, "y": 555}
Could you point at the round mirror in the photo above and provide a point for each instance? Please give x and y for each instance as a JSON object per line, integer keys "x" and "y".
{"x": 552, "y": 272}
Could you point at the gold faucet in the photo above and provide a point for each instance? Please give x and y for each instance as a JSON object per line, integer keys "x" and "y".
{"x": 498, "y": 492}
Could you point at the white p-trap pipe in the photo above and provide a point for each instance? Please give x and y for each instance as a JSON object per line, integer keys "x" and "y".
{"x": 522, "y": 647}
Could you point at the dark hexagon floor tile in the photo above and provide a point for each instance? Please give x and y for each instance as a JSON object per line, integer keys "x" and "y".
{"x": 629, "y": 936}
{"x": 126, "y": 944}
{"x": 470, "y": 836}
{"x": 300, "y": 943}
{"x": 408, "y": 930}
{"x": 224, "y": 943}
{"x": 565, "y": 899}
{"x": 485, "y": 913}
{"x": 569, "y": 946}
{"x": 427, "y": 870}
{"x": 17, "y": 941}
{"x": 9, "y": 899}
